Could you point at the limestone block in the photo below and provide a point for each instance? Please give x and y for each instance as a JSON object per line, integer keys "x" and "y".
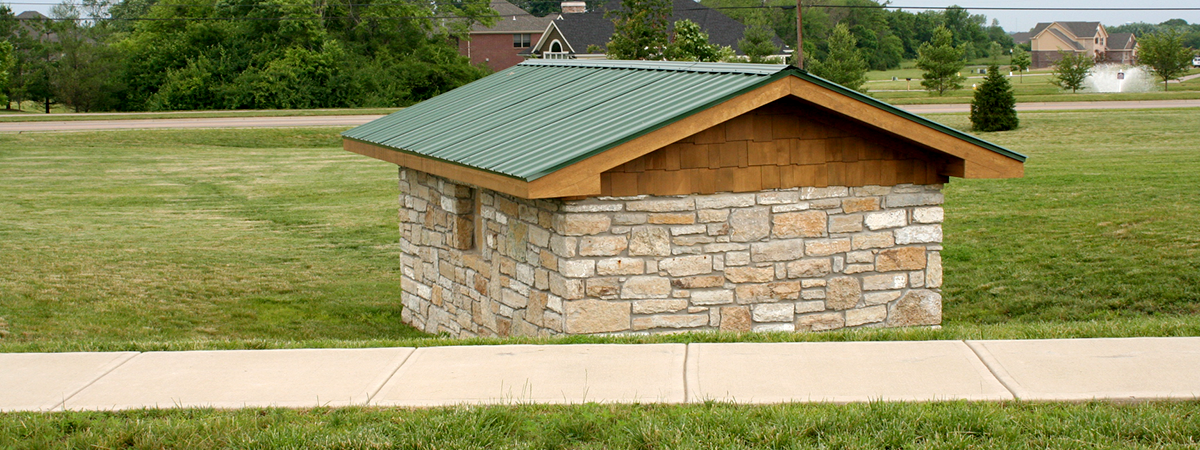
{"x": 883, "y": 239}
{"x": 809, "y": 306}
{"x": 820, "y": 322}
{"x": 883, "y": 282}
{"x": 827, "y": 203}
{"x": 539, "y": 236}
{"x": 577, "y": 268}
{"x": 767, "y": 293}
{"x": 629, "y": 218}
{"x": 670, "y": 321}
{"x": 852, "y": 269}
{"x": 933, "y": 271}
{"x": 724, "y": 201}
{"x": 778, "y": 197}
{"x": 602, "y": 245}
{"x": 658, "y": 306}
{"x": 930, "y": 214}
{"x": 607, "y": 287}
{"x": 800, "y": 224}
{"x": 749, "y": 224}
{"x": 691, "y": 242}
{"x": 567, "y": 288}
{"x": 863, "y": 256}
{"x": 919, "y": 234}
{"x": 725, "y": 247}
{"x": 688, "y": 229}
{"x": 777, "y": 250}
{"x": 661, "y": 205}
{"x": 917, "y": 307}
{"x": 620, "y": 266}
{"x": 592, "y": 205}
{"x": 735, "y": 318}
{"x": 597, "y": 316}
{"x": 582, "y": 224}
{"x": 886, "y": 219}
{"x": 879, "y": 298}
{"x": 698, "y": 282}
{"x": 749, "y": 274}
{"x": 512, "y": 299}
{"x": 774, "y": 327}
{"x": 564, "y": 247}
{"x": 649, "y": 241}
{"x": 646, "y": 287}
{"x": 826, "y": 247}
{"x": 852, "y": 223}
{"x": 709, "y": 298}
{"x": 860, "y": 204}
{"x": 672, "y": 218}
{"x": 737, "y": 259}
{"x": 914, "y": 199}
{"x": 812, "y": 282}
{"x": 687, "y": 265}
{"x": 901, "y": 258}
{"x": 863, "y": 316}
{"x": 809, "y": 268}
{"x": 773, "y": 312}
{"x": 842, "y": 293}
{"x": 712, "y": 215}
{"x": 810, "y": 193}
{"x": 535, "y": 310}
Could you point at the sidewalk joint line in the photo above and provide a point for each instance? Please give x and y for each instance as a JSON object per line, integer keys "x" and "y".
{"x": 686, "y": 353}
{"x": 372, "y": 395}
{"x": 63, "y": 403}
{"x": 991, "y": 370}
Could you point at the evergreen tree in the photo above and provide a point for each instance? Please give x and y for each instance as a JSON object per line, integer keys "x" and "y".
{"x": 844, "y": 64}
{"x": 756, "y": 43}
{"x": 1020, "y": 61}
{"x": 994, "y": 106}
{"x": 639, "y": 29}
{"x": 1165, "y": 54}
{"x": 1071, "y": 69}
{"x": 941, "y": 62}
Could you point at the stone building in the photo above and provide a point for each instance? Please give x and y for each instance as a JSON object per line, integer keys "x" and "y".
{"x": 574, "y": 197}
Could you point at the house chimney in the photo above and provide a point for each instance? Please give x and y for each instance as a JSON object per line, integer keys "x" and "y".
{"x": 574, "y": 7}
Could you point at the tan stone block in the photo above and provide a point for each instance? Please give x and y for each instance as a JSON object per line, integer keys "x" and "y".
{"x": 845, "y": 224}
{"x": 597, "y": 316}
{"x": 646, "y": 287}
{"x": 566, "y": 288}
{"x": 809, "y": 268}
{"x": 820, "y": 322}
{"x": 712, "y": 215}
{"x": 602, "y": 245}
{"x": 620, "y": 266}
{"x": 933, "y": 271}
{"x": 582, "y": 224}
{"x": 661, "y": 205}
{"x": 687, "y": 265}
{"x": 749, "y": 224}
{"x": 749, "y": 274}
{"x": 860, "y": 204}
{"x": 577, "y": 268}
{"x": 670, "y": 321}
{"x": 931, "y": 214}
{"x": 724, "y": 201}
{"x": 842, "y": 293}
{"x": 777, "y": 250}
{"x": 826, "y": 247}
{"x": 883, "y": 239}
{"x": 879, "y": 298}
{"x": 672, "y": 218}
{"x": 548, "y": 260}
{"x": 863, "y": 316}
{"x": 919, "y": 234}
{"x": 917, "y": 307}
{"x": 658, "y": 306}
{"x": 773, "y": 312}
{"x": 511, "y": 298}
{"x": 709, "y": 298}
{"x": 768, "y": 293}
{"x": 603, "y": 287}
{"x": 800, "y": 224}
{"x": 811, "y": 306}
{"x": 649, "y": 241}
{"x": 735, "y": 318}
{"x": 536, "y": 308}
{"x": 698, "y": 282}
{"x": 852, "y": 269}
{"x": 883, "y": 282}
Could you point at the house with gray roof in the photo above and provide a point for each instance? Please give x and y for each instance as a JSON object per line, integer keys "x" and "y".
{"x": 1088, "y": 38}
{"x": 500, "y": 46}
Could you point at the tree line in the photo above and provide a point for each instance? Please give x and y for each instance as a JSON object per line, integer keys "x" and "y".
{"x": 147, "y": 55}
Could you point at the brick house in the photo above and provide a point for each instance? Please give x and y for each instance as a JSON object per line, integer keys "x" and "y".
{"x": 1089, "y": 38}
{"x": 500, "y": 45}
{"x": 577, "y": 197}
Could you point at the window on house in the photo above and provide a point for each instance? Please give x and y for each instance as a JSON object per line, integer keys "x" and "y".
{"x": 520, "y": 40}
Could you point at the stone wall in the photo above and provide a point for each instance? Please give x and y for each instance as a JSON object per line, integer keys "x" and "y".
{"x": 805, "y": 259}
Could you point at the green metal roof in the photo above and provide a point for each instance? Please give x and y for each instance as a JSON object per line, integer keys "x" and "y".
{"x": 539, "y": 116}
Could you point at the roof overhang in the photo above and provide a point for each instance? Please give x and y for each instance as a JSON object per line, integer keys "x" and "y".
{"x": 972, "y": 157}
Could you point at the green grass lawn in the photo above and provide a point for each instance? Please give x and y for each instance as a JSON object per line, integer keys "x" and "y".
{"x": 146, "y": 240}
{"x": 63, "y": 115}
{"x": 950, "y": 425}
{"x": 1033, "y": 87}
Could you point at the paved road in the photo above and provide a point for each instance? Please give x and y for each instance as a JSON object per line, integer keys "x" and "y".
{"x": 838, "y": 372}
{"x": 352, "y": 120}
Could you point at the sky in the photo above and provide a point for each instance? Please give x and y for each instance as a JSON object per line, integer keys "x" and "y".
{"x": 1012, "y": 21}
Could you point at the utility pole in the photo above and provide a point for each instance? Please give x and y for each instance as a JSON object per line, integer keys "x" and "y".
{"x": 799, "y": 38}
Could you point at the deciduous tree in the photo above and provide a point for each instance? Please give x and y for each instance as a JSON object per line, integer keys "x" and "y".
{"x": 1165, "y": 54}
{"x": 941, "y": 62}
{"x": 1071, "y": 69}
{"x": 691, "y": 44}
{"x": 994, "y": 107}
{"x": 1020, "y": 61}
{"x": 844, "y": 63}
{"x": 639, "y": 29}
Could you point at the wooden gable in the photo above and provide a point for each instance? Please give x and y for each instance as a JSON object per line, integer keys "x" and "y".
{"x": 780, "y": 145}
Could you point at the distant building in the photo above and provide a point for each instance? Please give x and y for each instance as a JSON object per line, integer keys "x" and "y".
{"x": 499, "y": 46}
{"x": 1089, "y": 38}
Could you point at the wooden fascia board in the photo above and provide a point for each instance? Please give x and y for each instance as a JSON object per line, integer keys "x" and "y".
{"x": 583, "y": 178}
{"x": 981, "y": 162}
{"x": 481, "y": 178}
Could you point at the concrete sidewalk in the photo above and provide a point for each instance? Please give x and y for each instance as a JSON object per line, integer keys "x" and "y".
{"x": 1070, "y": 369}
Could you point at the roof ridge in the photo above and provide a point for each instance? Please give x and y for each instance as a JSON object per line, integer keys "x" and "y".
{"x": 672, "y": 66}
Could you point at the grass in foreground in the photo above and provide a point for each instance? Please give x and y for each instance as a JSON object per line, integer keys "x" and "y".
{"x": 173, "y": 240}
{"x": 24, "y": 116}
{"x": 717, "y": 425}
